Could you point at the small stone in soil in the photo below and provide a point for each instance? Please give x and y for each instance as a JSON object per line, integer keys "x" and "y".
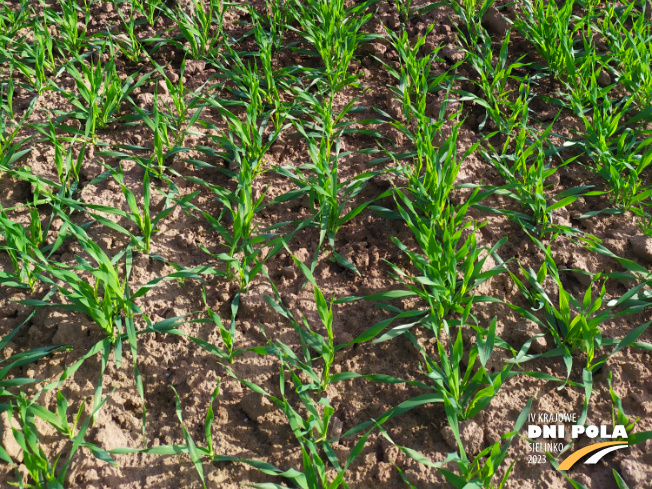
{"x": 604, "y": 79}
{"x": 255, "y": 406}
{"x": 452, "y": 54}
{"x": 471, "y": 434}
{"x": 494, "y": 23}
{"x": 642, "y": 247}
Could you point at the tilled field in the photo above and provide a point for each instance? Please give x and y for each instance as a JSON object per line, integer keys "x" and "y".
{"x": 323, "y": 243}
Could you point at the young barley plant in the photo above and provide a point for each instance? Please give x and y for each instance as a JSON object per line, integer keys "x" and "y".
{"x": 526, "y": 164}
{"x": 471, "y": 12}
{"x": 129, "y": 44}
{"x": 140, "y": 216}
{"x": 414, "y": 76}
{"x": 167, "y": 138}
{"x": 248, "y": 139}
{"x": 467, "y": 387}
{"x": 331, "y": 199}
{"x": 480, "y": 471}
{"x": 11, "y": 153}
{"x": 274, "y": 80}
{"x": 179, "y": 112}
{"x": 335, "y": 32}
{"x": 615, "y": 141}
{"x": 43, "y": 472}
{"x": 23, "y": 247}
{"x": 315, "y": 455}
{"x": 551, "y": 30}
{"x": 35, "y": 60}
{"x": 495, "y": 78}
{"x": 201, "y": 25}
{"x": 67, "y": 165}
{"x": 13, "y": 19}
{"x": 276, "y": 21}
{"x": 106, "y": 299}
{"x": 574, "y": 325}
{"x": 101, "y": 91}
{"x": 447, "y": 263}
{"x": 627, "y": 34}
{"x": 151, "y": 9}
{"x": 311, "y": 431}
{"x": 322, "y": 345}
{"x": 17, "y": 360}
{"x": 72, "y": 38}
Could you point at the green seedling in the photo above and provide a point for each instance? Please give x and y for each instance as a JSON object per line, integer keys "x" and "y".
{"x": 101, "y": 92}
{"x": 241, "y": 235}
{"x": 630, "y": 47}
{"x": 247, "y": 140}
{"x": 6, "y": 111}
{"x": 466, "y": 385}
{"x": 168, "y": 139}
{"x": 43, "y": 38}
{"x": 432, "y": 168}
{"x": 23, "y": 248}
{"x": 149, "y": 8}
{"x": 12, "y": 155}
{"x": 35, "y": 60}
{"x": 18, "y": 360}
{"x": 276, "y": 21}
{"x": 330, "y": 197}
{"x": 471, "y": 13}
{"x": 448, "y": 266}
{"x": 496, "y": 75}
{"x": 201, "y": 27}
{"x": 244, "y": 258}
{"x": 227, "y": 334}
{"x": 13, "y": 19}
{"x": 575, "y": 326}
{"x": 480, "y": 471}
{"x": 68, "y": 166}
{"x": 311, "y": 431}
{"x": 431, "y": 174}
{"x": 244, "y": 147}
{"x": 550, "y": 29}
{"x": 102, "y": 292}
{"x": 414, "y": 76}
{"x": 615, "y": 142}
{"x": 618, "y": 416}
{"x": 128, "y": 43}
{"x": 335, "y": 32}
{"x": 476, "y": 473}
{"x": 180, "y": 105}
{"x": 143, "y": 219}
{"x": 403, "y": 7}
{"x": 311, "y": 341}
{"x": 42, "y": 472}
{"x": 526, "y": 169}
{"x": 626, "y": 31}
{"x": 72, "y": 37}
{"x": 106, "y": 300}
{"x": 273, "y": 81}
{"x": 313, "y": 474}
{"x": 10, "y": 129}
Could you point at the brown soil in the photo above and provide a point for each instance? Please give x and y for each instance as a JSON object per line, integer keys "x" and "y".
{"x": 247, "y": 427}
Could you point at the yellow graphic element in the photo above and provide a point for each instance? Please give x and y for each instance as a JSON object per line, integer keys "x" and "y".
{"x": 575, "y": 456}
